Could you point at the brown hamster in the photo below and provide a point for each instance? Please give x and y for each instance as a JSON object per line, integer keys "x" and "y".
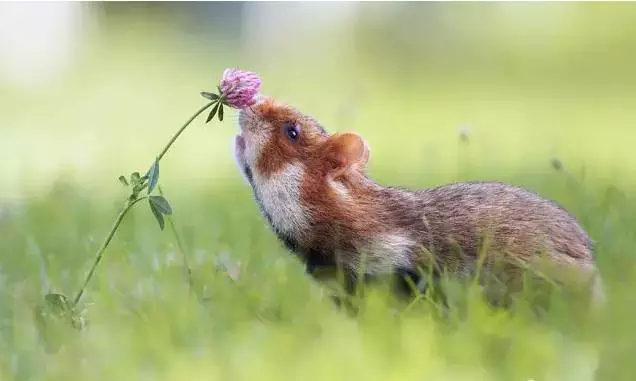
{"x": 313, "y": 190}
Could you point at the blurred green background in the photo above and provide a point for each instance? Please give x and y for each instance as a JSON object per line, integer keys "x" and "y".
{"x": 89, "y": 91}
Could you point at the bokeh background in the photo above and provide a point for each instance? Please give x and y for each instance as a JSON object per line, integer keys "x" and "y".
{"x": 441, "y": 91}
{"x": 90, "y": 90}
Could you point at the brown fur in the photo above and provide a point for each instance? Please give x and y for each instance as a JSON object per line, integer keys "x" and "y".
{"x": 279, "y": 151}
{"x": 446, "y": 227}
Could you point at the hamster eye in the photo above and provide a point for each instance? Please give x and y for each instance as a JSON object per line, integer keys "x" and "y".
{"x": 292, "y": 130}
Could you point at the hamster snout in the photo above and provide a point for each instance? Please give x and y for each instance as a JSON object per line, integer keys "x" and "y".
{"x": 248, "y": 117}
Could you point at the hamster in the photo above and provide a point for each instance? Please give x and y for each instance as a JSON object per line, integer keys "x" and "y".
{"x": 313, "y": 190}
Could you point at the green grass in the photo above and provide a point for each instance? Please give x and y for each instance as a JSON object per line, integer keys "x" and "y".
{"x": 61, "y": 151}
{"x": 272, "y": 322}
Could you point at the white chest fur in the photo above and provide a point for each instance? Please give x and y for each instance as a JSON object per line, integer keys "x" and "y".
{"x": 279, "y": 196}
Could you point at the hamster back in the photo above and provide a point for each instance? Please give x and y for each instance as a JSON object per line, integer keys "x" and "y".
{"x": 313, "y": 189}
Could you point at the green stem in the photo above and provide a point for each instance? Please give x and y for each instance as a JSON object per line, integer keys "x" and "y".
{"x": 167, "y": 147}
{"x": 100, "y": 251}
{"x": 177, "y": 237}
{"x": 130, "y": 204}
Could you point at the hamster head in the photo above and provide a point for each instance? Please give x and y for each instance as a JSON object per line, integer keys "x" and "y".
{"x": 290, "y": 160}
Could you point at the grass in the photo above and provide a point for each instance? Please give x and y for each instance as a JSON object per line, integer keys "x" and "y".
{"x": 271, "y": 322}
{"x": 61, "y": 152}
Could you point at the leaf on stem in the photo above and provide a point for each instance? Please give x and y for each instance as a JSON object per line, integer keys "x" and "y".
{"x": 57, "y": 303}
{"x": 212, "y": 113}
{"x": 55, "y": 320}
{"x": 122, "y": 179}
{"x": 135, "y": 179}
{"x": 153, "y": 176}
{"x": 157, "y": 214}
{"x": 210, "y": 96}
{"x": 161, "y": 204}
{"x": 221, "y": 112}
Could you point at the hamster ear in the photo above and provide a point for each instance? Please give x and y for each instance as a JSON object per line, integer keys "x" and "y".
{"x": 346, "y": 152}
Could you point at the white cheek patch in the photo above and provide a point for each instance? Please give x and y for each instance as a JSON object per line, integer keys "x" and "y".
{"x": 280, "y": 198}
{"x": 253, "y": 146}
{"x": 246, "y": 156}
